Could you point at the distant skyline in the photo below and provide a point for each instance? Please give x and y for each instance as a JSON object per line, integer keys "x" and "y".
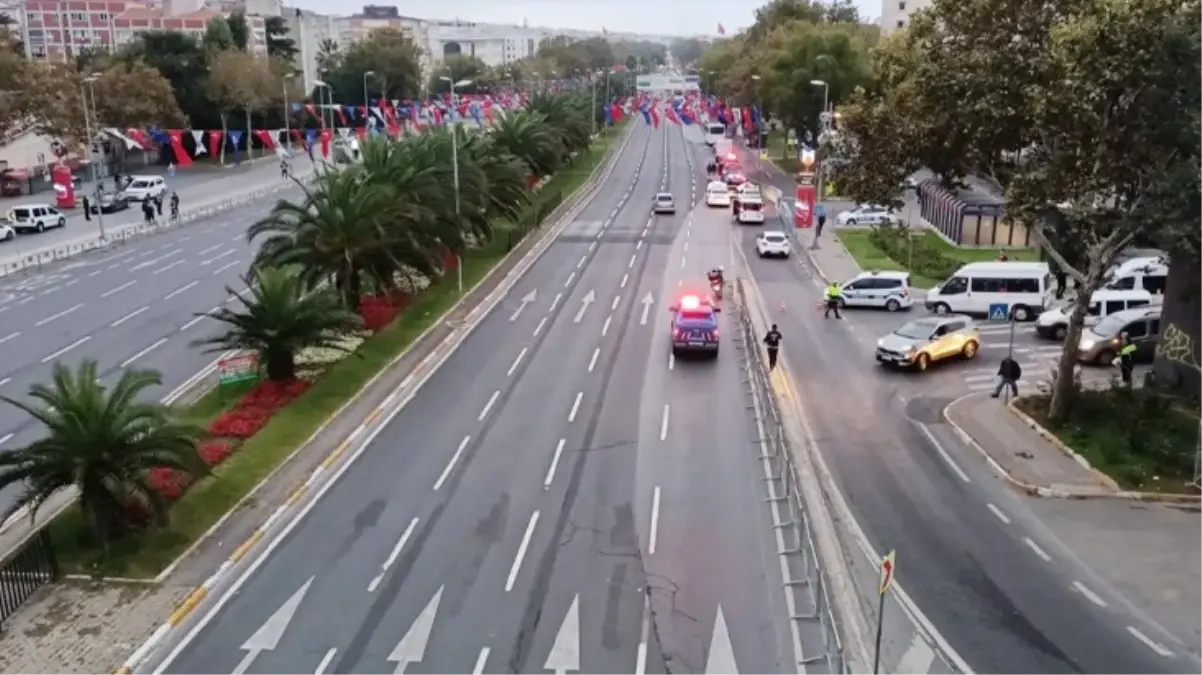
{"x": 673, "y": 17}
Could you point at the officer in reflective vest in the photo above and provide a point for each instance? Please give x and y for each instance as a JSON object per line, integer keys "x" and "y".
{"x": 833, "y": 294}
{"x": 1126, "y": 358}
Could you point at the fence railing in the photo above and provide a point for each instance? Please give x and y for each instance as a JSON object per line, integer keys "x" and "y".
{"x": 25, "y": 570}
{"x": 816, "y": 629}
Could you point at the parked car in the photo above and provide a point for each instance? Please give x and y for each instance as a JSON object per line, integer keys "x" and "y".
{"x": 110, "y": 202}
{"x": 35, "y": 218}
{"x": 7, "y": 233}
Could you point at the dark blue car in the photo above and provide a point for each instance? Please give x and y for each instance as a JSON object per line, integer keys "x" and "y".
{"x": 694, "y": 327}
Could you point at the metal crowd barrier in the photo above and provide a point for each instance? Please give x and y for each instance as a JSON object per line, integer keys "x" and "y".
{"x": 817, "y": 629}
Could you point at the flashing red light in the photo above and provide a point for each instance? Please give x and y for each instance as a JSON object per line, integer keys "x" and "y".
{"x": 730, "y": 157}
{"x": 690, "y": 302}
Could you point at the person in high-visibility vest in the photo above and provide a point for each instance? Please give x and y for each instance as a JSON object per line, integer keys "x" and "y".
{"x": 833, "y": 295}
{"x": 1126, "y": 358}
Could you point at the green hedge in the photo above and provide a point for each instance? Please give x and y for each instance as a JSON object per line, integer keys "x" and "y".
{"x": 926, "y": 261}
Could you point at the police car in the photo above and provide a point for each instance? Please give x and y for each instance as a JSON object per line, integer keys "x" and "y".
{"x": 749, "y": 210}
{"x": 694, "y": 327}
{"x": 866, "y": 214}
{"x": 888, "y": 290}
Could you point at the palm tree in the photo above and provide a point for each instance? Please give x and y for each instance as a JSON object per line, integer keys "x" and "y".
{"x": 279, "y": 317}
{"x": 101, "y": 442}
{"x": 527, "y": 136}
{"x": 570, "y": 116}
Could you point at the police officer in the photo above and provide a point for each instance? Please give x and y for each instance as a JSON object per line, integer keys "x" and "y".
{"x": 820, "y": 216}
{"x": 833, "y": 295}
{"x": 772, "y": 341}
{"x": 1126, "y": 358}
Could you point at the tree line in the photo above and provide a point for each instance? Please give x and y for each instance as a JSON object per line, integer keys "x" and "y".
{"x": 367, "y": 230}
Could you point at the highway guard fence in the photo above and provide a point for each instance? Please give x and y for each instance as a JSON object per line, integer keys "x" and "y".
{"x": 24, "y": 570}
{"x": 817, "y": 631}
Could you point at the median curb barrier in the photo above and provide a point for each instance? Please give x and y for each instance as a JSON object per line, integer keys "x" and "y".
{"x": 121, "y": 234}
{"x": 1057, "y": 493}
{"x": 412, "y": 382}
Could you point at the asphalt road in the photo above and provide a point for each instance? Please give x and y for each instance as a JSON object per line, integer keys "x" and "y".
{"x": 558, "y": 496}
{"x": 131, "y": 306}
{"x": 971, "y": 553}
{"x": 194, "y": 188}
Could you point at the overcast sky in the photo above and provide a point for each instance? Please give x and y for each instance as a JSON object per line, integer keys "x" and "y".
{"x": 667, "y": 17}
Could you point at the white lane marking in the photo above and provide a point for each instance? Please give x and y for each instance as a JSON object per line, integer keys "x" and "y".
{"x": 605, "y": 327}
{"x": 517, "y": 561}
{"x": 193, "y": 322}
{"x": 632, "y": 259}
{"x": 683, "y": 262}
{"x": 71, "y": 283}
{"x": 66, "y": 349}
{"x": 325, "y": 661}
{"x": 581, "y": 262}
{"x": 592, "y": 245}
{"x": 488, "y": 406}
{"x": 555, "y": 300}
{"x": 575, "y": 407}
{"x": 593, "y": 361}
{"x": 97, "y": 272}
{"x": 209, "y": 249}
{"x": 640, "y": 659}
{"x": 392, "y": 557}
{"x": 446, "y": 472}
{"x": 1093, "y": 597}
{"x": 10, "y": 336}
{"x": 1038, "y": 551}
{"x": 654, "y": 535}
{"x": 516, "y": 362}
{"x": 617, "y": 299}
{"x": 943, "y": 454}
{"x": 663, "y": 426}
{"x": 237, "y": 238}
{"x": 638, "y": 245}
{"x": 225, "y": 267}
{"x": 539, "y": 328}
{"x": 1154, "y": 646}
{"x": 481, "y": 661}
{"x": 118, "y": 289}
{"x": 554, "y": 463}
{"x": 26, "y": 301}
{"x": 168, "y": 266}
{"x": 998, "y": 512}
{"x": 179, "y": 290}
{"x": 129, "y": 316}
{"x": 47, "y": 292}
{"x": 144, "y": 352}
{"x": 6, "y": 437}
{"x": 571, "y": 278}
{"x": 686, "y": 247}
{"x": 671, "y": 360}
{"x": 625, "y": 278}
{"x": 183, "y": 239}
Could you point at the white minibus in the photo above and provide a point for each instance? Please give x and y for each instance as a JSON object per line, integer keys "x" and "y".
{"x": 1023, "y": 288}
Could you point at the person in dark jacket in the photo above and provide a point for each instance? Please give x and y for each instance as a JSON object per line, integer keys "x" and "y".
{"x": 1008, "y": 373}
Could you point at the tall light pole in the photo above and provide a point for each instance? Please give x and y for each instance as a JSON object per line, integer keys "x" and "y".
{"x": 366, "y": 104}
{"x": 90, "y": 81}
{"x": 826, "y": 101}
{"x": 759, "y": 105}
{"x": 322, "y": 85}
{"x": 287, "y": 125}
{"x": 455, "y": 168}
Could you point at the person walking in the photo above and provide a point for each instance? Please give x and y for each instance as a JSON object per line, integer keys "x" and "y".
{"x": 1008, "y": 373}
{"x": 820, "y": 216}
{"x": 772, "y": 342}
{"x": 87, "y": 208}
{"x": 834, "y": 295}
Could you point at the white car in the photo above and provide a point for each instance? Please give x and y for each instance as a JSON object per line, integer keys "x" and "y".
{"x": 141, "y": 188}
{"x": 749, "y": 190}
{"x": 774, "y": 244}
{"x": 749, "y": 210}
{"x": 866, "y": 214}
{"x": 884, "y": 290}
{"x": 664, "y": 203}
{"x": 35, "y": 218}
{"x": 7, "y": 233}
{"x": 717, "y": 194}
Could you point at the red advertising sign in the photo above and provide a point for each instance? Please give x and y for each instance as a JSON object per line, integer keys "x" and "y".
{"x": 803, "y": 208}
{"x": 64, "y": 189}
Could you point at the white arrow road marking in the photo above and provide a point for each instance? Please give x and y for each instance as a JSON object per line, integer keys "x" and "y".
{"x": 268, "y": 636}
{"x": 722, "y": 654}
{"x": 917, "y": 659}
{"x": 526, "y": 300}
{"x": 412, "y": 647}
{"x": 647, "y": 301}
{"x": 565, "y": 653}
{"x": 584, "y": 303}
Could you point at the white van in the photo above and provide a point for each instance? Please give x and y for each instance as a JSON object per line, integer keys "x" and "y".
{"x": 142, "y": 188}
{"x": 714, "y": 132}
{"x": 717, "y": 194}
{"x": 1148, "y": 273}
{"x": 1053, "y": 324}
{"x": 1022, "y": 287}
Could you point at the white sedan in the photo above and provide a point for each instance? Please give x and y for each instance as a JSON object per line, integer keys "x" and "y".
{"x": 866, "y": 214}
{"x": 772, "y": 243}
{"x": 7, "y": 233}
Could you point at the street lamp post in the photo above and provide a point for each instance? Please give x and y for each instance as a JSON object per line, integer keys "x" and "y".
{"x": 366, "y": 104}
{"x": 824, "y": 120}
{"x": 90, "y": 81}
{"x": 759, "y": 104}
{"x": 287, "y": 124}
{"x": 455, "y": 169}
{"x": 322, "y": 85}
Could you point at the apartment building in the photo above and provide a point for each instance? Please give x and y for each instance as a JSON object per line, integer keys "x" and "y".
{"x": 895, "y": 14}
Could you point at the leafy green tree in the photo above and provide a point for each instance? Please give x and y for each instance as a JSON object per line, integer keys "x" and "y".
{"x": 1087, "y": 113}
{"x": 459, "y": 67}
{"x": 799, "y": 52}
{"x": 239, "y": 30}
{"x": 102, "y": 442}
{"x": 390, "y": 55}
{"x": 687, "y": 50}
{"x": 279, "y": 45}
{"x": 280, "y": 317}
{"x": 180, "y": 58}
{"x": 219, "y": 36}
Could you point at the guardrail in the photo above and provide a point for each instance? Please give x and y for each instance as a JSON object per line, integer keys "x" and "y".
{"x": 817, "y": 631}
{"x": 24, "y": 570}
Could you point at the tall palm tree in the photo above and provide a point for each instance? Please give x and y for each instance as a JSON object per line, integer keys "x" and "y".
{"x": 101, "y": 442}
{"x": 569, "y": 115}
{"x": 527, "y": 136}
{"x": 279, "y": 317}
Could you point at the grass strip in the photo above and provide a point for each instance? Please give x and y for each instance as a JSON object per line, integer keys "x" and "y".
{"x": 870, "y": 257}
{"x": 145, "y": 555}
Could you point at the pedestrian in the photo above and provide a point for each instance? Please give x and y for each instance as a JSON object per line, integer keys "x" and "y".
{"x": 158, "y": 205}
{"x": 171, "y": 170}
{"x": 174, "y": 205}
{"x": 1008, "y": 373}
{"x": 772, "y": 341}
{"x": 87, "y": 208}
{"x": 284, "y": 169}
{"x": 148, "y": 211}
{"x": 820, "y": 215}
{"x": 834, "y": 294}
{"x": 1126, "y": 358}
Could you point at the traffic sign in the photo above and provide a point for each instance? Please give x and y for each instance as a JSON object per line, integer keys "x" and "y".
{"x": 238, "y": 369}
{"x": 888, "y": 569}
{"x": 999, "y": 312}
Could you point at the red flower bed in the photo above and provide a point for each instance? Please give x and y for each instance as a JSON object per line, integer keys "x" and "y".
{"x": 251, "y": 413}
{"x": 169, "y": 483}
{"x": 215, "y": 452}
{"x": 377, "y": 311}
{"x": 239, "y": 423}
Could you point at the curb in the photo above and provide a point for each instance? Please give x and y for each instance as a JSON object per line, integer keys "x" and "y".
{"x": 422, "y": 371}
{"x": 1053, "y": 493}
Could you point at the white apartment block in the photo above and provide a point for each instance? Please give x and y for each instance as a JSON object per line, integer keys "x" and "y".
{"x": 895, "y": 14}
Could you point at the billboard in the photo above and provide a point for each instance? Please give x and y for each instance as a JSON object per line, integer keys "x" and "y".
{"x": 668, "y": 83}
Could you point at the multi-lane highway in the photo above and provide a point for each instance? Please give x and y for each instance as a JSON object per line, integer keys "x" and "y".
{"x": 559, "y": 496}
{"x": 1003, "y": 591}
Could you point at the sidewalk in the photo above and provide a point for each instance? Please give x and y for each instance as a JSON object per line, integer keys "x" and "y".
{"x": 1024, "y": 458}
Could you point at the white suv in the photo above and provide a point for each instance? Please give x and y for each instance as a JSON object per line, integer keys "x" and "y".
{"x": 142, "y": 188}
{"x": 773, "y": 243}
{"x": 35, "y": 218}
{"x": 890, "y": 290}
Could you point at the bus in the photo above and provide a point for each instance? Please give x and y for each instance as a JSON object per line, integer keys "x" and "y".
{"x": 714, "y": 132}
